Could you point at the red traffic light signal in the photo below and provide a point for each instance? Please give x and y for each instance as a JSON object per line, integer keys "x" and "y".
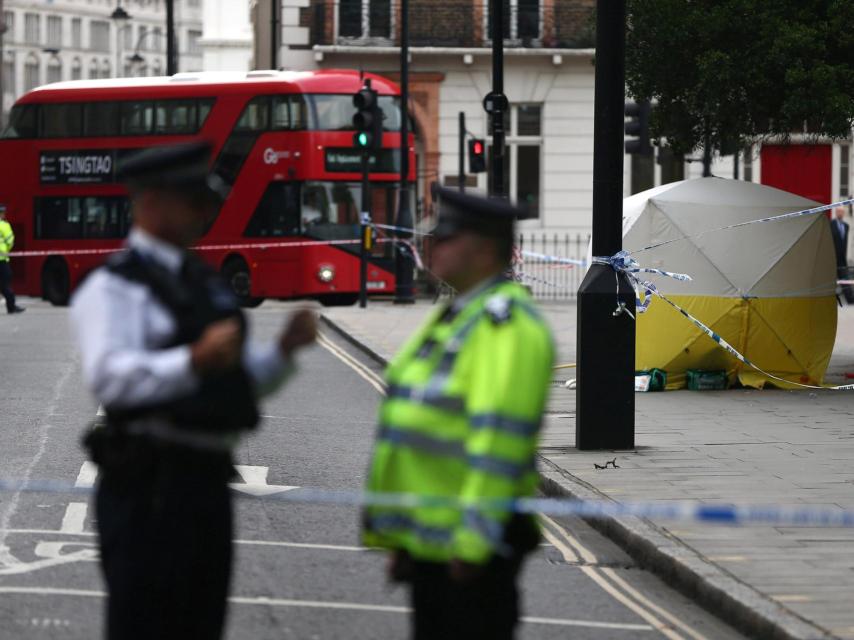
{"x": 477, "y": 155}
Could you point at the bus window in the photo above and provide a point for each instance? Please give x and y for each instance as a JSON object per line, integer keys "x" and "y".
{"x": 106, "y": 217}
{"x": 175, "y": 117}
{"x": 78, "y": 218}
{"x": 101, "y": 119}
{"x": 332, "y": 112}
{"x": 277, "y": 214}
{"x": 256, "y": 115}
{"x": 205, "y": 107}
{"x": 137, "y": 118}
{"x": 62, "y": 120}
{"x": 290, "y": 112}
{"x": 330, "y": 210}
{"x": 390, "y": 106}
{"x": 23, "y": 122}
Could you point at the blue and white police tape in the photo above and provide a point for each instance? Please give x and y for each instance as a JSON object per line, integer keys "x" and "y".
{"x": 652, "y": 290}
{"x": 783, "y": 216}
{"x": 623, "y": 262}
{"x": 547, "y": 259}
{"x": 684, "y": 511}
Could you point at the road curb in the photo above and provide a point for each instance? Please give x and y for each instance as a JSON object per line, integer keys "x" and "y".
{"x": 685, "y": 569}
{"x": 679, "y": 565}
{"x": 361, "y": 346}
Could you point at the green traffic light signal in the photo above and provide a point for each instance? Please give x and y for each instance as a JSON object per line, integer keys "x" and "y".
{"x": 362, "y": 139}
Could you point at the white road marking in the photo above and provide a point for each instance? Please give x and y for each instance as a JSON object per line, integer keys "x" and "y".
{"x": 255, "y": 481}
{"x": 372, "y": 378}
{"x": 7, "y": 559}
{"x": 301, "y": 545}
{"x": 54, "y": 550}
{"x": 319, "y": 604}
{"x": 87, "y": 476}
{"x": 609, "y": 581}
{"x": 75, "y": 517}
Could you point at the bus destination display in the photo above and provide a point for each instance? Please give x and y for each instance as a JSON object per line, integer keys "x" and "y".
{"x": 349, "y": 161}
{"x": 92, "y": 166}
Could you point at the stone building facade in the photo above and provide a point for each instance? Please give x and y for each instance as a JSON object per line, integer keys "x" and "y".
{"x": 53, "y": 40}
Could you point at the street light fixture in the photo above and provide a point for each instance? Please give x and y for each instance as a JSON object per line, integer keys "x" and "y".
{"x": 121, "y": 17}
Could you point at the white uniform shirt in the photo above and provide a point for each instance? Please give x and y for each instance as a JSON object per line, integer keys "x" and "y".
{"x": 121, "y": 328}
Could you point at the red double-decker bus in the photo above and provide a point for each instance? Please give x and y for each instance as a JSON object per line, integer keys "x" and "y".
{"x": 283, "y": 156}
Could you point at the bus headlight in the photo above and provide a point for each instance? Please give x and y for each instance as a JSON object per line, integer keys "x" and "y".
{"x": 326, "y": 273}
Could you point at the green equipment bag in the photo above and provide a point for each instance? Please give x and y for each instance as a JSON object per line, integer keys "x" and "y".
{"x": 657, "y": 379}
{"x": 699, "y": 380}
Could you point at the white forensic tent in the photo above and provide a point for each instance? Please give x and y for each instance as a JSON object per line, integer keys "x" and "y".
{"x": 768, "y": 288}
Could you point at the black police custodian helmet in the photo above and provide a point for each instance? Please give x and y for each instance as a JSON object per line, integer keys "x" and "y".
{"x": 179, "y": 167}
{"x": 491, "y": 217}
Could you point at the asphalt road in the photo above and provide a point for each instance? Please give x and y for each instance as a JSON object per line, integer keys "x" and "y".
{"x": 299, "y": 572}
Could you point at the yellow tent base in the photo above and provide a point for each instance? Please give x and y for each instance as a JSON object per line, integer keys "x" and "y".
{"x": 788, "y": 337}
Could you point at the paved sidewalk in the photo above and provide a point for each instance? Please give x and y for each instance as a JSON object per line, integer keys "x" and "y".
{"x": 740, "y": 446}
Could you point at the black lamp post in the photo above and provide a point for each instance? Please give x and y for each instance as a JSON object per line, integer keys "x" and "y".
{"x": 121, "y": 18}
{"x": 403, "y": 264}
{"x": 605, "y": 394}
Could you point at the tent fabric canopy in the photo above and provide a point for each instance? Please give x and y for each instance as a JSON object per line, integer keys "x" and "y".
{"x": 768, "y": 289}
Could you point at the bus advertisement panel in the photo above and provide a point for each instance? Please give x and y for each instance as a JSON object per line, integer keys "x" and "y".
{"x": 283, "y": 159}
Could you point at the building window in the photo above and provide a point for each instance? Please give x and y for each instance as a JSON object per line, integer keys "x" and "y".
{"x": 32, "y": 28}
{"x": 193, "y": 46}
{"x": 142, "y": 37}
{"x": 76, "y": 69}
{"x": 106, "y": 69}
{"x": 32, "y": 71}
{"x": 522, "y": 20}
{"x": 156, "y": 39}
{"x": 523, "y": 160}
{"x": 127, "y": 37}
{"x": 99, "y": 35}
{"x": 365, "y": 19}
{"x": 54, "y": 70}
{"x": 93, "y": 70}
{"x": 54, "y": 31}
{"x": 8, "y": 77}
{"x": 9, "y": 25}
{"x": 76, "y": 33}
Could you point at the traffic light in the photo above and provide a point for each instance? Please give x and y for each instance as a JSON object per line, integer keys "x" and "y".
{"x": 368, "y": 120}
{"x": 477, "y": 155}
{"x": 637, "y": 126}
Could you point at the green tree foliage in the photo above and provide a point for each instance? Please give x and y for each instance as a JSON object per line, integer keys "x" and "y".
{"x": 740, "y": 70}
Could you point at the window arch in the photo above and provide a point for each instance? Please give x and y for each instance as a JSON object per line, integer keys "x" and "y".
{"x": 54, "y": 69}
{"x": 32, "y": 72}
{"x": 156, "y": 69}
{"x": 76, "y": 69}
{"x": 106, "y": 68}
{"x": 93, "y": 69}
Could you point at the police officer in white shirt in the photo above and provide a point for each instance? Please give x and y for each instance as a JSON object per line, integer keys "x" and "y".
{"x": 165, "y": 351}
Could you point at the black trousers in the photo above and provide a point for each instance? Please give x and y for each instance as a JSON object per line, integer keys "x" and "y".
{"x": 6, "y": 285}
{"x": 486, "y": 608}
{"x": 165, "y": 535}
{"x": 846, "y": 273}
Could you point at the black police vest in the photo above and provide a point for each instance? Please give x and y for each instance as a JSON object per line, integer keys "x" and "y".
{"x": 198, "y": 297}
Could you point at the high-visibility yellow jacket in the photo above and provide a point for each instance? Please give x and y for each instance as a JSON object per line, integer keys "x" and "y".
{"x": 7, "y": 240}
{"x": 462, "y": 420}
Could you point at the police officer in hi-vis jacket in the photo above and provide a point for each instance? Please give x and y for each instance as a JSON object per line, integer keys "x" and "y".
{"x": 461, "y": 423}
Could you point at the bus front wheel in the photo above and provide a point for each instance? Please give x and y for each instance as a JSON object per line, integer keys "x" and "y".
{"x": 236, "y": 273}
{"x": 56, "y": 283}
